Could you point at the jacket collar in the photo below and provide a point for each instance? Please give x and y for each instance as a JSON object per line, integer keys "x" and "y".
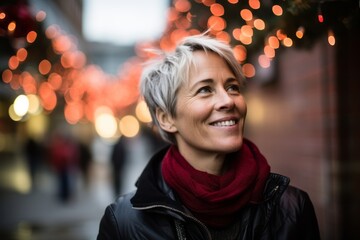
{"x": 153, "y": 191}
{"x": 151, "y": 187}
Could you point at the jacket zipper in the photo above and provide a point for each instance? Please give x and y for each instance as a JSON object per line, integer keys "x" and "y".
{"x": 178, "y": 211}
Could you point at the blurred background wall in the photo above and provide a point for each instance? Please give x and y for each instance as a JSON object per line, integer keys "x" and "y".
{"x": 300, "y": 58}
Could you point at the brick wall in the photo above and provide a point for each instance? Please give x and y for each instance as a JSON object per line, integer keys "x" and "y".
{"x": 293, "y": 121}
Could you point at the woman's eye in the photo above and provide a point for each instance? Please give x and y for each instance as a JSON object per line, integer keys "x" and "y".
{"x": 204, "y": 90}
{"x": 234, "y": 88}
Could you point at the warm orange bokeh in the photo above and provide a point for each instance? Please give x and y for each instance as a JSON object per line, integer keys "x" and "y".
{"x": 47, "y": 96}
{"x": 273, "y": 42}
{"x": 44, "y": 67}
{"x": 254, "y": 4}
{"x": 7, "y": 76}
{"x": 217, "y": 9}
{"x": 13, "y": 62}
{"x": 28, "y": 83}
{"x": 246, "y": 14}
{"x": 248, "y": 70}
{"x": 31, "y": 37}
{"x": 21, "y": 54}
{"x": 216, "y": 23}
{"x": 240, "y": 53}
{"x": 182, "y": 5}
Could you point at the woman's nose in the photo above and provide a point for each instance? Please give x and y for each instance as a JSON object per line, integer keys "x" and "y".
{"x": 223, "y": 100}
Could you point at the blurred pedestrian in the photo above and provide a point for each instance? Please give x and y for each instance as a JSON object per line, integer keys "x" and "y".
{"x": 118, "y": 160}
{"x": 64, "y": 160}
{"x": 34, "y": 156}
{"x": 85, "y": 161}
{"x": 211, "y": 182}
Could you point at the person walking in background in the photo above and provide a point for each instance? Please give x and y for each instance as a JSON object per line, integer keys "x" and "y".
{"x": 85, "y": 161}
{"x": 34, "y": 157}
{"x": 64, "y": 160}
{"x": 118, "y": 160}
{"x": 211, "y": 182}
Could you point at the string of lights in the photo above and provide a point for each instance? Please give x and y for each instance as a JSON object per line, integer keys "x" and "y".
{"x": 47, "y": 69}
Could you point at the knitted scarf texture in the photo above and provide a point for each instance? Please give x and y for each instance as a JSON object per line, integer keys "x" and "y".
{"x": 217, "y": 200}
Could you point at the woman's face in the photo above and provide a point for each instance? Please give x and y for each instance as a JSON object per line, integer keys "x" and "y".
{"x": 210, "y": 110}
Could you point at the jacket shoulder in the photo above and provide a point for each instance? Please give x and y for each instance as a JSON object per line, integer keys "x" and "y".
{"x": 295, "y": 203}
{"x": 295, "y": 211}
{"x": 116, "y": 218}
{"x": 122, "y": 221}
{"x": 293, "y": 214}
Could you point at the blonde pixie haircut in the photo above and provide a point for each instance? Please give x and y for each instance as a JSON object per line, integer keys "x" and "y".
{"x": 162, "y": 78}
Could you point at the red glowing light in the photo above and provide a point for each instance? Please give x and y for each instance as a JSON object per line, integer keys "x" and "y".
{"x": 320, "y": 17}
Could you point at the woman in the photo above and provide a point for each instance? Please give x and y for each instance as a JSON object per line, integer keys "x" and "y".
{"x": 211, "y": 182}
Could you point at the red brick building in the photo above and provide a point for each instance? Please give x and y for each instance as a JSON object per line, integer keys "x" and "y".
{"x": 306, "y": 121}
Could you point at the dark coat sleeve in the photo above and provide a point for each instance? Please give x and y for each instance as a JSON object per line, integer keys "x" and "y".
{"x": 296, "y": 216}
{"x": 308, "y": 222}
{"x": 122, "y": 221}
{"x": 108, "y": 228}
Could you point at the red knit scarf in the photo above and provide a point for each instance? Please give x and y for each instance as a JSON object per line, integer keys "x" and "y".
{"x": 216, "y": 200}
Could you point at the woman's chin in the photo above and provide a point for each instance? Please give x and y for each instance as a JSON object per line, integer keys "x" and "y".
{"x": 231, "y": 147}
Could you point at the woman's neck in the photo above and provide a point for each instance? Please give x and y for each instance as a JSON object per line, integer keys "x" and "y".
{"x": 210, "y": 162}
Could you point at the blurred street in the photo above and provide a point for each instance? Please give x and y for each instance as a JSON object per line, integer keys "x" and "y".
{"x": 39, "y": 214}
{"x": 70, "y": 108}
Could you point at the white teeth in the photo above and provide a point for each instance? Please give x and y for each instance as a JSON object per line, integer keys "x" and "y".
{"x": 224, "y": 123}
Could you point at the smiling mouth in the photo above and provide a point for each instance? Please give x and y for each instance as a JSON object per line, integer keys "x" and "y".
{"x": 224, "y": 123}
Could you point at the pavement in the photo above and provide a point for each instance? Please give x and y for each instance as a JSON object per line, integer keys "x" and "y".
{"x": 37, "y": 214}
{"x": 40, "y": 216}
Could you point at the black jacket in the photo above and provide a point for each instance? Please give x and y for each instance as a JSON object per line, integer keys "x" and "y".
{"x": 153, "y": 212}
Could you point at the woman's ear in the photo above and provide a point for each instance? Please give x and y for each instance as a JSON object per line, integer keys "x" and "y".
{"x": 166, "y": 122}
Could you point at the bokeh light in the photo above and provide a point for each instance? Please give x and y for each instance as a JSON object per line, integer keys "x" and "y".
{"x": 12, "y": 114}
{"x": 273, "y": 42}
{"x": 264, "y": 61}
{"x": 259, "y": 24}
{"x": 240, "y": 53}
{"x": 331, "y": 38}
{"x": 40, "y": 16}
{"x": 217, "y": 9}
{"x": 47, "y": 96}
{"x": 216, "y": 23}
{"x": 248, "y": 70}
{"x": 37, "y": 125}
{"x": 21, "y": 54}
{"x": 31, "y": 37}
{"x": 254, "y": 4}
{"x": 300, "y": 32}
{"x": 269, "y": 51}
{"x": 142, "y": 112}
{"x": 12, "y": 26}
{"x": 7, "y": 76}
{"x": 246, "y": 14}
{"x": 34, "y": 104}
{"x": 21, "y": 105}
{"x": 129, "y": 126}
{"x": 105, "y": 123}
{"x": 13, "y": 62}
{"x": 44, "y": 67}
{"x": 277, "y": 10}
{"x": 287, "y": 42}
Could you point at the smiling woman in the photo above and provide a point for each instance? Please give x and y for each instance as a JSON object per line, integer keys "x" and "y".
{"x": 124, "y": 22}
{"x": 211, "y": 182}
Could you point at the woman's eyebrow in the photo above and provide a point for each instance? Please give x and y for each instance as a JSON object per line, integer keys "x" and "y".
{"x": 203, "y": 81}
{"x": 210, "y": 81}
{"x": 231, "y": 79}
